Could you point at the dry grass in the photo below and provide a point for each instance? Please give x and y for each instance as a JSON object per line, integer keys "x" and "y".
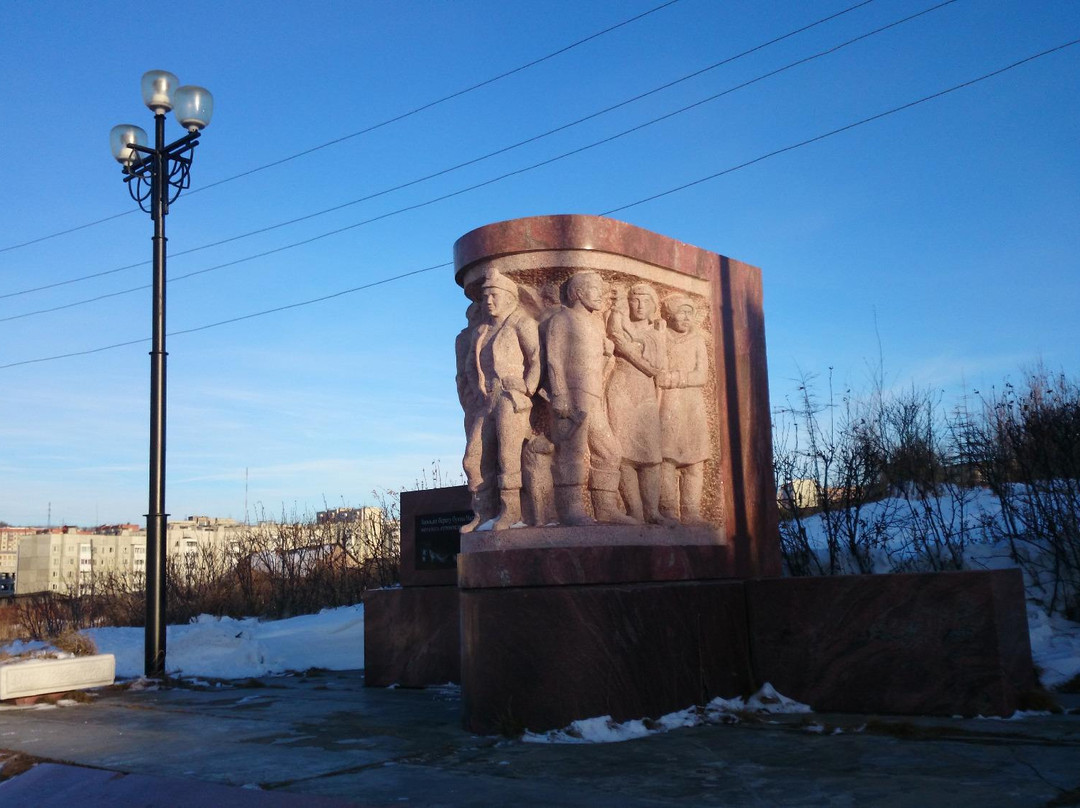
{"x": 13, "y": 764}
{"x": 74, "y": 643}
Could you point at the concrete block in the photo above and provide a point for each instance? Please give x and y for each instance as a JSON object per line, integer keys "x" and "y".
{"x": 38, "y": 676}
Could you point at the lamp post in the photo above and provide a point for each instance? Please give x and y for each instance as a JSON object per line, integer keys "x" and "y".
{"x": 155, "y": 176}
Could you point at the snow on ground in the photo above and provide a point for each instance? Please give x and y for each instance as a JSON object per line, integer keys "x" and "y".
{"x": 718, "y": 711}
{"x": 1055, "y": 646}
{"x": 213, "y": 648}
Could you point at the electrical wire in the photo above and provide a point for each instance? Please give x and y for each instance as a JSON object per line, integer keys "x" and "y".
{"x": 668, "y": 192}
{"x": 503, "y": 150}
{"x": 490, "y": 181}
{"x": 837, "y": 131}
{"x": 372, "y": 128}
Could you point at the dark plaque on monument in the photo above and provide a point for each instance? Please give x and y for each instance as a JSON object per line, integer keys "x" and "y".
{"x": 438, "y": 539}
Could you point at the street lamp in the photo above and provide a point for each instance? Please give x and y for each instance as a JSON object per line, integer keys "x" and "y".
{"x": 155, "y": 176}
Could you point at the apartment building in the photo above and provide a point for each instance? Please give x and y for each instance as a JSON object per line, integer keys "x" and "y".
{"x": 72, "y": 560}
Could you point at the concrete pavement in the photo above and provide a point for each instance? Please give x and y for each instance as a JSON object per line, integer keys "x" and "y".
{"x": 323, "y": 739}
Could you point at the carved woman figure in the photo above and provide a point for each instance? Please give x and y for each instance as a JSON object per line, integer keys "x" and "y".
{"x": 632, "y": 402}
{"x": 684, "y": 426}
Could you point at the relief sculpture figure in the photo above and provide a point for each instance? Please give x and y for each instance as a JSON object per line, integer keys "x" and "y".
{"x": 577, "y": 354}
{"x": 472, "y": 402}
{"x": 632, "y": 401}
{"x": 685, "y": 443}
{"x": 503, "y": 368}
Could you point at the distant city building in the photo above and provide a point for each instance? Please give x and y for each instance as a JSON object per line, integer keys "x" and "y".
{"x": 9, "y": 556}
{"x": 366, "y": 530}
{"x": 69, "y": 560}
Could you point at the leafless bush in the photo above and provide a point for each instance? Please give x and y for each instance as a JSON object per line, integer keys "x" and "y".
{"x": 294, "y": 566}
{"x": 43, "y": 615}
{"x": 828, "y": 463}
{"x": 879, "y": 473}
{"x": 1025, "y": 442}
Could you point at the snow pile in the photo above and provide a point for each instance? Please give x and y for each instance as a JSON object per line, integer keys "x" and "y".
{"x": 225, "y": 648}
{"x": 603, "y": 729}
{"x": 1055, "y": 646}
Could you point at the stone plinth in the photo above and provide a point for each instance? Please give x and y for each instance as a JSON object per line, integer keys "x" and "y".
{"x": 590, "y": 536}
{"x": 539, "y": 658}
{"x": 429, "y": 537}
{"x": 602, "y": 564}
{"x": 927, "y": 644}
{"x": 39, "y": 676}
{"x": 412, "y": 636}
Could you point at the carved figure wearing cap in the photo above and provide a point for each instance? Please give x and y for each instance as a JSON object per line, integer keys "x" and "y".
{"x": 474, "y": 406}
{"x": 503, "y": 371}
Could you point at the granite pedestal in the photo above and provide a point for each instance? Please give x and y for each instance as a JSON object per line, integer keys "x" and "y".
{"x": 412, "y": 634}
{"x": 949, "y": 643}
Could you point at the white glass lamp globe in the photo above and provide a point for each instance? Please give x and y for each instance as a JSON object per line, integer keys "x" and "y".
{"x": 193, "y": 106}
{"x": 120, "y": 139}
{"x": 158, "y": 87}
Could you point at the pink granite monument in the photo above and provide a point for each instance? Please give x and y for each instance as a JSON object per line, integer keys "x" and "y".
{"x": 620, "y": 464}
{"x": 621, "y": 554}
{"x": 644, "y": 400}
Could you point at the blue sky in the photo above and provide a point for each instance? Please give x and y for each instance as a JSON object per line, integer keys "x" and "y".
{"x": 947, "y": 232}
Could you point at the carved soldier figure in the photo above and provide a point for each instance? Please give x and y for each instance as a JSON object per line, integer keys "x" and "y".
{"x": 474, "y": 405}
{"x": 503, "y": 369}
{"x": 684, "y": 426}
{"x": 632, "y": 402}
{"x": 577, "y": 354}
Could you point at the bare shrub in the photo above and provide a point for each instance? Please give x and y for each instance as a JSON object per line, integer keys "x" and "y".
{"x": 828, "y": 463}
{"x": 879, "y": 471}
{"x": 44, "y": 614}
{"x": 1025, "y": 442}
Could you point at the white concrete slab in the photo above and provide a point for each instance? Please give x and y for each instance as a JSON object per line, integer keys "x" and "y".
{"x": 37, "y": 676}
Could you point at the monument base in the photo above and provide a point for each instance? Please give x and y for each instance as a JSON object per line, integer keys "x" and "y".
{"x": 538, "y": 657}
{"x": 412, "y": 637}
{"x": 949, "y": 643}
{"x": 599, "y": 564}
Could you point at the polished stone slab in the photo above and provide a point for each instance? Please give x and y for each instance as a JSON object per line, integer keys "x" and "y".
{"x": 412, "y": 636}
{"x": 429, "y": 536}
{"x": 539, "y": 658}
{"x": 600, "y": 564}
{"x": 949, "y": 643}
{"x": 590, "y": 536}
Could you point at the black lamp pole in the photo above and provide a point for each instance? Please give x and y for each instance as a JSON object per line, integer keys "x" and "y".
{"x": 155, "y": 178}
{"x": 156, "y": 518}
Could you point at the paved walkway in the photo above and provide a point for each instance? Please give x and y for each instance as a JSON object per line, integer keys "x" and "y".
{"x": 324, "y": 740}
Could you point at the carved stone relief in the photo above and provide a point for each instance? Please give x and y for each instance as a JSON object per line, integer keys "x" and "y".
{"x": 589, "y": 396}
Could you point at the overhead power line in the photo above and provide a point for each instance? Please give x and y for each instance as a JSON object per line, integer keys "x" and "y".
{"x": 251, "y": 316}
{"x": 837, "y": 131}
{"x": 668, "y": 192}
{"x": 373, "y": 127}
{"x": 487, "y": 182}
{"x": 474, "y": 161}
